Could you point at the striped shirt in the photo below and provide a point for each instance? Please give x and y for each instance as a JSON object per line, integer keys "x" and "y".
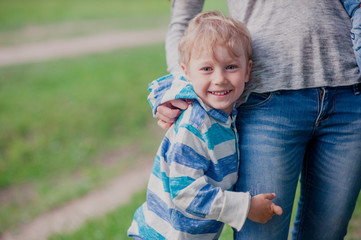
{"x": 189, "y": 193}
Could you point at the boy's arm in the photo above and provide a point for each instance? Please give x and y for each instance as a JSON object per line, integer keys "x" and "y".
{"x": 190, "y": 188}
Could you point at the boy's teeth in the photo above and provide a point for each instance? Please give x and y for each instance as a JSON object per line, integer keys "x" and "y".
{"x": 221, "y": 93}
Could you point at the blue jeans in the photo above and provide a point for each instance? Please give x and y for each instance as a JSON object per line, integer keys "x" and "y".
{"x": 315, "y": 132}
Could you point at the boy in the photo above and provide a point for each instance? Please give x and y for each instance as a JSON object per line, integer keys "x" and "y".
{"x": 353, "y": 10}
{"x": 189, "y": 192}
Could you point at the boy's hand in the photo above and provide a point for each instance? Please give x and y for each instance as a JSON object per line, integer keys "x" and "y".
{"x": 262, "y": 209}
{"x": 169, "y": 112}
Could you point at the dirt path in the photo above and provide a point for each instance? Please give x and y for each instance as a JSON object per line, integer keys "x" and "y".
{"x": 35, "y": 52}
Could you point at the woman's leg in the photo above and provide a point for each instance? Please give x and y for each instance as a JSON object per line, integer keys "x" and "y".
{"x": 331, "y": 175}
{"x": 274, "y": 130}
{"x": 275, "y": 134}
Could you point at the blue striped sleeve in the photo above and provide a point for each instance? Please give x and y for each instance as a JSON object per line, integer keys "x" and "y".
{"x": 177, "y": 184}
{"x": 189, "y": 152}
{"x": 168, "y": 88}
{"x": 146, "y": 230}
{"x": 201, "y": 204}
{"x": 158, "y": 88}
{"x": 179, "y": 221}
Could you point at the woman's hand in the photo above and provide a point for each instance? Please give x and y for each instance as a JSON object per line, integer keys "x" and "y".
{"x": 168, "y": 112}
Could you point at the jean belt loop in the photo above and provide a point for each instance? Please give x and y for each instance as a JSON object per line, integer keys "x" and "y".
{"x": 357, "y": 88}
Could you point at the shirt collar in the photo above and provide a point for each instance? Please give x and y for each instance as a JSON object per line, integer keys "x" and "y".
{"x": 217, "y": 114}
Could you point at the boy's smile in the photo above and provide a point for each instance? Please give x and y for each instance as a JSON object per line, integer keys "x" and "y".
{"x": 218, "y": 78}
{"x": 220, "y": 93}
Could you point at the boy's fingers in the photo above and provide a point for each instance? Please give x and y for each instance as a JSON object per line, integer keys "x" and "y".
{"x": 269, "y": 196}
{"x": 277, "y": 209}
{"x": 180, "y": 103}
{"x": 189, "y": 101}
{"x": 167, "y": 114}
{"x": 164, "y": 125}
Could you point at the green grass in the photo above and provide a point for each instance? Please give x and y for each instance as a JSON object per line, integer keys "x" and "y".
{"x": 22, "y": 13}
{"x": 354, "y": 229}
{"x": 57, "y": 119}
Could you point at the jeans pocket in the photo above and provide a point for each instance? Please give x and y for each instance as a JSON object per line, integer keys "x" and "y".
{"x": 256, "y": 100}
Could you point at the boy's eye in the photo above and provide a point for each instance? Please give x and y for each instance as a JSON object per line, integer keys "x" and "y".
{"x": 206, "y": 69}
{"x": 231, "y": 67}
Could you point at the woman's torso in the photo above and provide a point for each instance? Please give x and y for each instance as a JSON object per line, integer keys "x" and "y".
{"x": 298, "y": 44}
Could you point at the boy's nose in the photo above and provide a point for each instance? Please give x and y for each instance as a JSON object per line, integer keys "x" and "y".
{"x": 219, "y": 77}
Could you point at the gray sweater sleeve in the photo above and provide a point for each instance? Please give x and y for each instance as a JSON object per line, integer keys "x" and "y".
{"x": 181, "y": 13}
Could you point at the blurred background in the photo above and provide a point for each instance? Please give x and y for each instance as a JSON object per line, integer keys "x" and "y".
{"x": 73, "y": 108}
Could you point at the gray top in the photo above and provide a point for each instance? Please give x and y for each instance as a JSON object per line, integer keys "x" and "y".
{"x": 296, "y": 43}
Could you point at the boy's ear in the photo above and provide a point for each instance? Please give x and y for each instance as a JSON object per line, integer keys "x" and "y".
{"x": 184, "y": 67}
{"x": 249, "y": 70}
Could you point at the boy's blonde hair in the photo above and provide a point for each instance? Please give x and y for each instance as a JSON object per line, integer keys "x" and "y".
{"x": 212, "y": 28}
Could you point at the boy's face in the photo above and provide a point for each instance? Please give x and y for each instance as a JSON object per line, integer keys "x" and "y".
{"x": 219, "y": 80}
